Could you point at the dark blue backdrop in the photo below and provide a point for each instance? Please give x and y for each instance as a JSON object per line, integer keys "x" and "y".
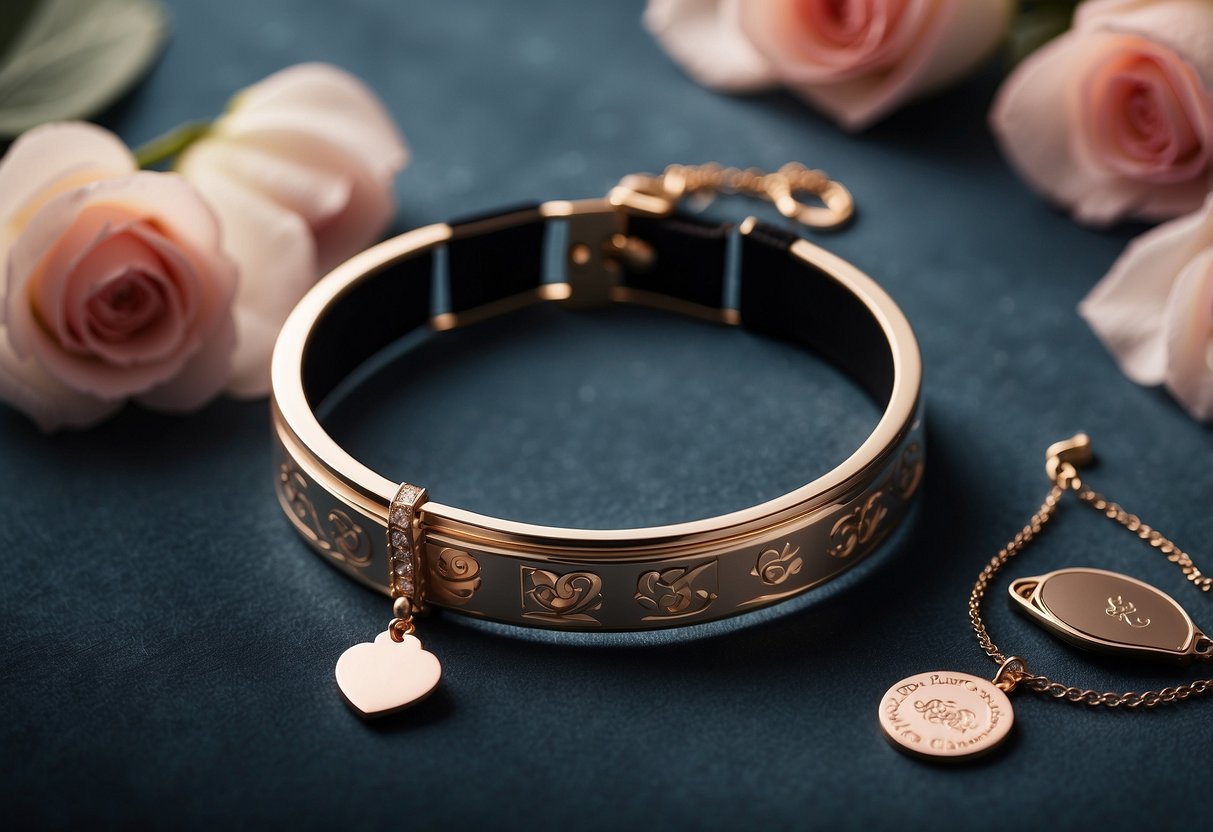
{"x": 169, "y": 643}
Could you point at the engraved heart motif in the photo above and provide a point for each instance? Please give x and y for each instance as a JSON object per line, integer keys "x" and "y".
{"x": 385, "y": 676}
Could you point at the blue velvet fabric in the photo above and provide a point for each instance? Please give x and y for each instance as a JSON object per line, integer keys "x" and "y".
{"x": 169, "y": 642}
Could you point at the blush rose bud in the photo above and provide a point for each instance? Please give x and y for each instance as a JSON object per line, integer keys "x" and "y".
{"x": 300, "y": 171}
{"x": 1154, "y": 310}
{"x": 855, "y": 60}
{"x": 1114, "y": 119}
{"x": 115, "y": 286}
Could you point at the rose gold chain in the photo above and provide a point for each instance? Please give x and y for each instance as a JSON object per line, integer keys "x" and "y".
{"x": 1152, "y": 536}
{"x": 749, "y": 182}
{"x": 660, "y": 194}
{"x": 1065, "y": 478}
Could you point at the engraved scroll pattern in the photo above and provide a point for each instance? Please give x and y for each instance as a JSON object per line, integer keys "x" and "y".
{"x": 864, "y": 526}
{"x": 677, "y": 592}
{"x": 946, "y": 712}
{"x": 453, "y": 577}
{"x": 775, "y": 566}
{"x": 338, "y": 535}
{"x": 554, "y": 597}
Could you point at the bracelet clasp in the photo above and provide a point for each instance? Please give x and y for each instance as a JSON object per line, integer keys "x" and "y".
{"x": 659, "y": 195}
{"x": 1064, "y": 458}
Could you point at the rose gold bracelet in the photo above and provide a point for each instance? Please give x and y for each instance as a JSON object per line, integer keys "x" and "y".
{"x": 630, "y": 247}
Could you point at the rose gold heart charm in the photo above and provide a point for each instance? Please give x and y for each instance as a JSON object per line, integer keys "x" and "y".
{"x": 385, "y": 676}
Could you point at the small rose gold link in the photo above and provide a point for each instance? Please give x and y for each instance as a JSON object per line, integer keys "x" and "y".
{"x": 1043, "y": 684}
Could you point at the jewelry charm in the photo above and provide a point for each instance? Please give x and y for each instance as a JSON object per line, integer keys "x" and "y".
{"x": 1107, "y": 611}
{"x": 394, "y": 672}
{"x": 387, "y": 675}
{"x": 949, "y": 715}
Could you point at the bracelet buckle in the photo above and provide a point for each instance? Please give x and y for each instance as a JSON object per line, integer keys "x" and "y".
{"x": 599, "y": 245}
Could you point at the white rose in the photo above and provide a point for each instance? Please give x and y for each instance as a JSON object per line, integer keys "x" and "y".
{"x": 1154, "y": 310}
{"x": 300, "y": 171}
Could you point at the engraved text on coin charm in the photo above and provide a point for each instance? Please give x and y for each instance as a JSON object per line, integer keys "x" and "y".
{"x": 945, "y": 715}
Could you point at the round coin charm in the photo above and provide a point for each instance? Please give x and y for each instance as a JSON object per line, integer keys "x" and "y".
{"x": 945, "y": 715}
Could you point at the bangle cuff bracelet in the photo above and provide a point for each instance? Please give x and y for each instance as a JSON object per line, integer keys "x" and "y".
{"x": 631, "y": 247}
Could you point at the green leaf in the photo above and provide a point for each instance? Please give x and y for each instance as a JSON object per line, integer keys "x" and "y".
{"x": 1035, "y": 26}
{"x": 73, "y": 58}
{"x": 13, "y": 19}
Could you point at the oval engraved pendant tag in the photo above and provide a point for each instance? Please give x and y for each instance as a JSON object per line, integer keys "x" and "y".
{"x": 945, "y": 715}
{"x": 1101, "y": 610}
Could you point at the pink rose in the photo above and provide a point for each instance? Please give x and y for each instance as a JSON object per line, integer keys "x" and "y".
{"x": 859, "y": 60}
{"x": 1154, "y": 310}
{"x": 1115, "y": 118}
{"x": 300, "y": 171}
{"x": 114, "y": 284}
{"x": 705, "y": 38}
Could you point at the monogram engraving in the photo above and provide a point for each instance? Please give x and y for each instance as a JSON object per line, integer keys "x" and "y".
{"x": 1126, "y": 611}
{"x": 677, "y": 592}
{"x": 857, "y": 527}
{"x": 774, "y": 567}
{"x": 453, "y": 577}
{"x": 864, "y": 525}
{"x": 946, "y": 712}
{"x": 347, "y": 535}
{"x": 554, "y": 597}
{"x": 337, "y": 535}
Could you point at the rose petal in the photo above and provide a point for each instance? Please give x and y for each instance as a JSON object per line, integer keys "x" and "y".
{"x": 1127, "y": 308}
{"x": 202, "y": 285}
{"x": 1128, "y": 62}
{"x": 813, "y": 42}
{"x": 170, "y": 201}
{"x": 203, "y": 376}
{"x": 276, "y": 255}
{"x": 1185, "y": 26}
{"x": 40, "y": 270}
{"x": 1189, "y": 337}
{"x": 315, "y": 194}
{"x": 121, "y": 305}
{"x": 69, "y": 226}
{"x": 159, "y": 338}
{"x": 950, "y": 37}
{"x": 1034, "y": 119}
{"x": 325, "y": 101}
{"x": 1040, "y": 114}
{"x": 42, "y": 262}
{"x": 704, "y": 37}
{"x": 367, "y": 215}
{"x": 370, "y": 206}
{"x": 166, "y": 199}
{"x": 48, "y": 160}
{"x": 51, "y": 404}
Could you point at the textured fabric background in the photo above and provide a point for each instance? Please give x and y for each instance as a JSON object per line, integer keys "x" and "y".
{"x": 168, "y": 642}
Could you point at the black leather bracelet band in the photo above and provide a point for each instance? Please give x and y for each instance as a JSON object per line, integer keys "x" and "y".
{"x": 760, "y": 277}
